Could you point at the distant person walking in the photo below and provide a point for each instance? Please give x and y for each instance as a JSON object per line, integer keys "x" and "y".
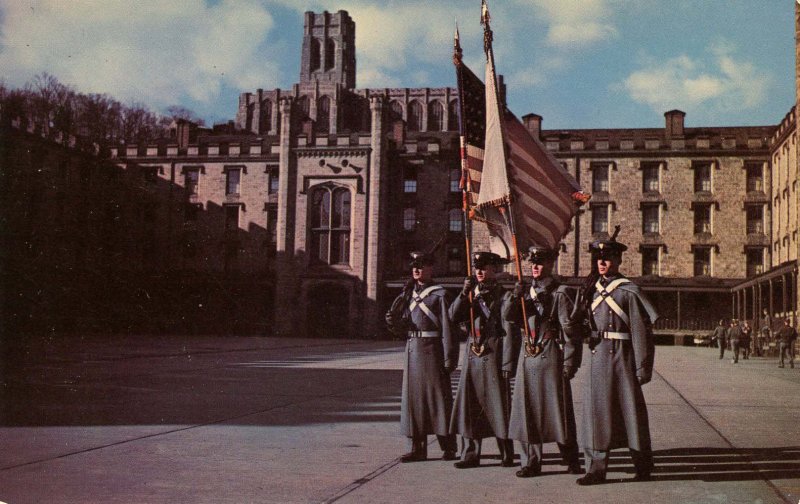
{"x": 735, "y": 336}
{"x": 744, "y": 341}
{"x": 786, "y": 338}
{"x": 720, "y": 333}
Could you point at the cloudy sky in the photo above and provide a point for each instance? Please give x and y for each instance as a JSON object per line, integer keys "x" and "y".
{"x": 578, "y": 63}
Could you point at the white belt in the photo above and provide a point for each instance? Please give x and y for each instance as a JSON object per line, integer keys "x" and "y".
{"x": 614, "y": 335}
{"x": 423, "y": 334}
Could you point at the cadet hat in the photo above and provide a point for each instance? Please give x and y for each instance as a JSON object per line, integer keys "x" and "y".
{"x": 481, "y": 259}
{"x": 420, "y": 259}
{"x": 602, "y": 249}
{"x": 539, "y": 254}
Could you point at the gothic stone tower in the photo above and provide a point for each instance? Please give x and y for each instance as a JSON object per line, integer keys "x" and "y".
{"x": 329, "y": 49}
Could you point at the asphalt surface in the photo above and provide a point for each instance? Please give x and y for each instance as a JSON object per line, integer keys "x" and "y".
{"x": 239, "y": 420}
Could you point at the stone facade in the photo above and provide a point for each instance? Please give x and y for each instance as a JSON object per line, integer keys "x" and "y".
{"x": 300, "y": 215}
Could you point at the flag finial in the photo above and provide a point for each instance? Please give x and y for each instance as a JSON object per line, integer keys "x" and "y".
{"x": 485, "y": 17}
{"x": 456, "y": 47}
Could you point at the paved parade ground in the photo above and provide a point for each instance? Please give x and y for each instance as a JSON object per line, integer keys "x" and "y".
{"x": 241, "y": 420}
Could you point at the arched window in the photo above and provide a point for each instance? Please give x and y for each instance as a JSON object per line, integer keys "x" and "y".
{"x": 266, "y": 116}
{"x": 303, "y": 107}
{"x": 315, "y": 55}
{"x": 409, "y": 219}
{"x": 455, "y": 180}
{"x": 323, "y": 123}
{"x": 396, "y": 111}
{"x": 452, "y": 113}
{"x": 414, "y": 116}
{"x": 330, "y": 225}
{"x": 330, "y": 54}
{"x": 435, "y": 116}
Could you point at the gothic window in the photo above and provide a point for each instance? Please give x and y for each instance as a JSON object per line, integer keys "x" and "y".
{"x": 452, "y": 113}
{"x": 435, "y": 116}
{"x": 323, "y": 122}
{"x": 266, "y": 116}
{"x": 414, "y": 116}
{"x": 303, "y": 107}
{"x": 330, "y": 54}
{"x": 274, "y": 181}
{"x": 330, "y": 225}
{"x": 315, "y": 54}
{"x": 455, "y": 259}
{"x": 396, "y": 110}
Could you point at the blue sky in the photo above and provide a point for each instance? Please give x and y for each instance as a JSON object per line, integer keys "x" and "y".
{"x": 578, "y": 63}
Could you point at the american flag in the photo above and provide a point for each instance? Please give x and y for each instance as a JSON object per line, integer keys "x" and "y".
{"x": 545, "y": 196}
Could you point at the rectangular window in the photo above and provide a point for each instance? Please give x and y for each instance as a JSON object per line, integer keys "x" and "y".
{"x": 755, "y": 261}
{"x": 456, "y": 218}
{"x": 651, "y": 218}
{"x": 232, "y": 180}
{"x": 455, "y": 263}
{"x": 650, "y": 257}
{"x": 600, "y": 219}
{"x": 455, "y": 180}
{"x": 702, "y": 261}
{"x": 702, "y": 177}
{"x": 410, "y": 180}
{"x": 191, "y": 180}
{"x": 231, "y": 218}
{"x": 600, "y": 177}
{"x": 409, "y": 219}
{"x": 273, "y": 182}
{"x": 650, "y": 177}
{"x": 272, "y": 228}
{"x": 191, "y": 212}
{"x": 755, "y": 177}
{"x": 702, "y": 219}
{"x": 755, "y": 219}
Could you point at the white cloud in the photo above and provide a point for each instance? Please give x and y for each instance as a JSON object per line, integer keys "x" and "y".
{"x": 149, "y": 51}
{"x": 574, "y": 24}
{"x": 717, "y": 82}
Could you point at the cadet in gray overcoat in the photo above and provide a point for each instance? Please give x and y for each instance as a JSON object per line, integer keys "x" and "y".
{"x": 420, "y": 313}
{"x": 481, "y": 405}
{"x": 541, "y": 408}
{"x": 620, "y": 362}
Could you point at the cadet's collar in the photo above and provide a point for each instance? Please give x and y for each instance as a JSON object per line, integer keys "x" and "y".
{"x": 419, "y": 286}
{"x": 543, "y": 282}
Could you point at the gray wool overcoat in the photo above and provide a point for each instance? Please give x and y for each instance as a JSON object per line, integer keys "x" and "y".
{"x": 615, "y": 414}
{"x": 427, "y": 398}
{"x": 541, "y": 407}
{"x": 481, "y": 405}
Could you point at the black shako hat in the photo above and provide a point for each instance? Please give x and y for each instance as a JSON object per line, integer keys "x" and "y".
{"x": 602, "y": 249}
{"x": 539, "y": 254}
{"x": 420, "y": 259}
{"x": 481, "y": 259}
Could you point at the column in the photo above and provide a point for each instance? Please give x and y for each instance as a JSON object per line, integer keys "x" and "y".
{"x": 375, "y": 204}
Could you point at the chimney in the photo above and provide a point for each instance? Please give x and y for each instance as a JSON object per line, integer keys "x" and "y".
{"x": 674, "y": 123}
{"x": 533, "y": 122}
{"x": 182, "y": 133}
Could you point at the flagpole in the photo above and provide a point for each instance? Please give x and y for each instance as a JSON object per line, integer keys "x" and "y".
{"x": 464, "y": 183}
{"x": 530, "y": 347}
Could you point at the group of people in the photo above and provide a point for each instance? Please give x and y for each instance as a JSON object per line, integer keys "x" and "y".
{"x": 534, "y": 332}
{"x": 738, "y": 337}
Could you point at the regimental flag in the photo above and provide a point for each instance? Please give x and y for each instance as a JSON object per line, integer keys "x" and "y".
{"x": 472, "y": 126}
{"x": 508, "y": 170}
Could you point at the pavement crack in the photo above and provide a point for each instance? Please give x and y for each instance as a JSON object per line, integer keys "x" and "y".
{"x": 358, "y": 483}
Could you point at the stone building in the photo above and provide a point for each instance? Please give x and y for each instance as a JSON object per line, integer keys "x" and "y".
{"x": 297, "y": 217}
